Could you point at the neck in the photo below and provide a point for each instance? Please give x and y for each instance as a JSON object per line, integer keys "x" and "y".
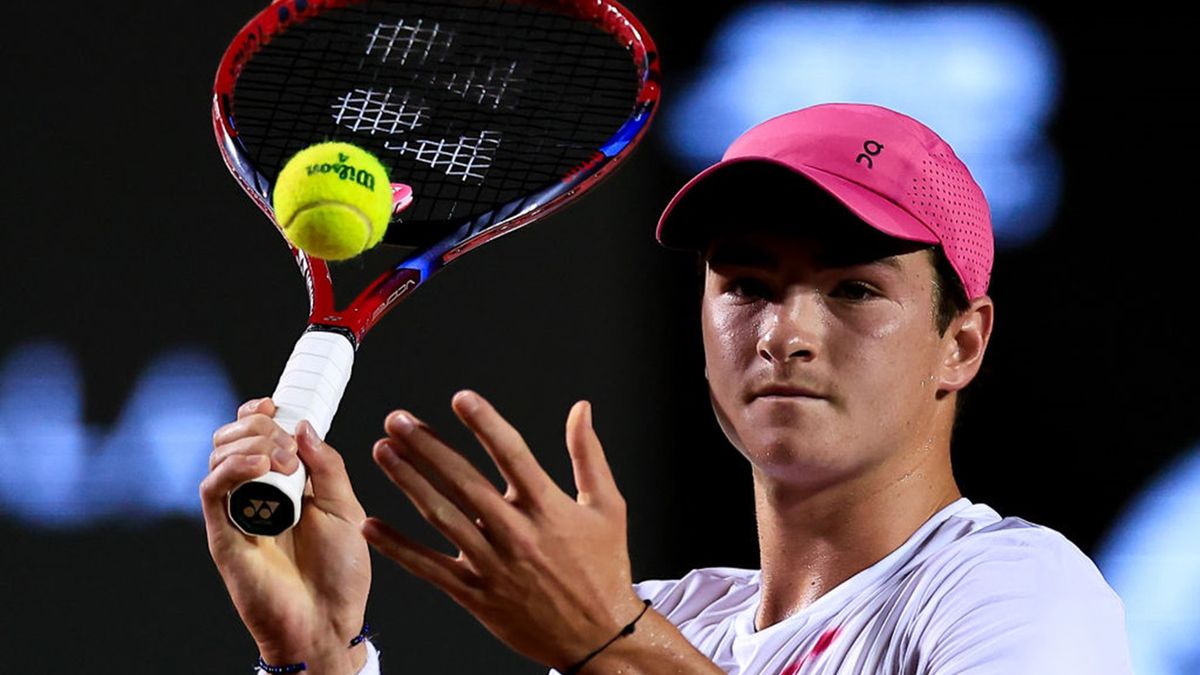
{"x": 814, "y": 538}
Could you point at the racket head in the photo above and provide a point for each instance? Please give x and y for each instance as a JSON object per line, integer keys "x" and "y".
{"x": 489, "y": 114}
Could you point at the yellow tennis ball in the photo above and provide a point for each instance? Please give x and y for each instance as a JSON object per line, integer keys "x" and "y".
{"x": 333, "y": 200}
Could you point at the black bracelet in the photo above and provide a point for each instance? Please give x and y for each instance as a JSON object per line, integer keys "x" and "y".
{"x": 290, "y": 668}
{"x": 627, "y": 630}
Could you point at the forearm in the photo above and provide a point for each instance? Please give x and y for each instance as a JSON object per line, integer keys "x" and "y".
{"x": 656, "y": 647}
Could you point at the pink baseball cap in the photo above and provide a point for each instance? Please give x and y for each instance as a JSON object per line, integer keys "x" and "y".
{"x": 890, "y": 170}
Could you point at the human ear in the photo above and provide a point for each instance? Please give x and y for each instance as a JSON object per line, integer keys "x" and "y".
{"x": 964, "y": 343}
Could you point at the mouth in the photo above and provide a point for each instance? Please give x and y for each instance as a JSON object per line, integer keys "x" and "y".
{"x": 785, "y": 391}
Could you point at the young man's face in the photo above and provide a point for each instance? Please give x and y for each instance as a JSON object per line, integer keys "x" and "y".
{"x": 821, "y": 347}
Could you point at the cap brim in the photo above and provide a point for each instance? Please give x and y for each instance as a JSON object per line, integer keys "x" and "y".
{"x": 674, "y": 230}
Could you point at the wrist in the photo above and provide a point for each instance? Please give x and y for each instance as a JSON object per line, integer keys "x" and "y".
{"x": 624, "y": 633}
{"x": 628, "y": 653}
{"x": 655, "y": 642}
{"x": 318, "y": 660}
{"x": 326, "y": 658}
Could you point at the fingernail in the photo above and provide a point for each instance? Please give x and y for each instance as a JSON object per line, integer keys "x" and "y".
{"x": 468, "y": 400}
{"x": 404, "y": 422}
{"x": 387, "y": 452}
{"x": 371, "y": 529}
{"x": 587, "y": 412}
{"x": 310, "y": 435}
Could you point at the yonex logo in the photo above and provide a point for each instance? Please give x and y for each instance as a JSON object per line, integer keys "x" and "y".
{"x": 870, "y": 149}
{"x": 261, "y": 508}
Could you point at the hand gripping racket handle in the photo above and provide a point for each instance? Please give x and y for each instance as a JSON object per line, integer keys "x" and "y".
{"x": 309, "y": 389}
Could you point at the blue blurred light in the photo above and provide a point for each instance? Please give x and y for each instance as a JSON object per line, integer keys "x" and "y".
{"x": 43, "y": 445}
{"x": 59, "y": 472}
{"x": 984, "y": 77}
{"x": 1152, "y": 559}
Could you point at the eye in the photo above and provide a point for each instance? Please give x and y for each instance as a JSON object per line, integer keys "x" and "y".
{"x": 747, "y": 288}
{"x": 855, "y": 291}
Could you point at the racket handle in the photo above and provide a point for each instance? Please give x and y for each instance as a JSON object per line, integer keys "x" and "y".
{"x": 309, "y": 389}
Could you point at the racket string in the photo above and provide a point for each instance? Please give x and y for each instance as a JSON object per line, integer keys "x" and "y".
{"x": 479, "y": 104}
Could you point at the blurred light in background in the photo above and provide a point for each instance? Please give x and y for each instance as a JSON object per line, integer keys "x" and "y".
{"x": 56, "y": 471}
{"x": 1152, "y": 559}
{"x": 984, "y": 77}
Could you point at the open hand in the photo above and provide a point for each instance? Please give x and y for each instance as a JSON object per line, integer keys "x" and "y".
{"x": 547, "y": 574}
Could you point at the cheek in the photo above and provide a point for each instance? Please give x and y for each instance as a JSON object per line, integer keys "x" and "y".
{"x": 862, "y": 340}
{"x": 730, "y": 343}
{"x": 730, "y": 334}
{"x": 874, "y": 325}
{"x": 892, "y": 351}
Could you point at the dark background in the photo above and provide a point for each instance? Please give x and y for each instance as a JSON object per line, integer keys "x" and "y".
{"x": 123, "y": 235}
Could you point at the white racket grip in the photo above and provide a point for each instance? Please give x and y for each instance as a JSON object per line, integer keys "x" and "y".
{"x": 313, "y": 381}
{"x": 310, "y": 388}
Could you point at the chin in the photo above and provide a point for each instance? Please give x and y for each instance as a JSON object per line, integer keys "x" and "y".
{"x": 791, "y": 457}
{"x": 788, "y": 443}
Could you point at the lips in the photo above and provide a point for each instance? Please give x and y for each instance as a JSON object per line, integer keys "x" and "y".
{"x": 786, "y": 390}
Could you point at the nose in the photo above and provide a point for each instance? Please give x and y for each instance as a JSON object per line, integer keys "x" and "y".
{"x": 791, "y": 330}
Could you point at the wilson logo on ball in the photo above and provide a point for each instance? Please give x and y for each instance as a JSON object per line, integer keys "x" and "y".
{"x": 344, "y": 172}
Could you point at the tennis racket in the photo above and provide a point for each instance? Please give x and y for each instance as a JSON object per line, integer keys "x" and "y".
{"x": 488, "y": 115}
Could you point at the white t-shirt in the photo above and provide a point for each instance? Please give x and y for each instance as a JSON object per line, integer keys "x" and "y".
{"x": 968, "y": 593}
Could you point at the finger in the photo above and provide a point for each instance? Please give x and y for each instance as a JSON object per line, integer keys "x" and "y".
{"x": 214, "y": 491}
{"x": 439, "y": 463}
{"x": 331, "y": 486}
{"x": 593, "y": 477}
{"x": 255, "y": 406}
{"x": 419, "y": 560}
{"x": 506, "y": 447}
{"x": 433, "y": 506}
{"x": 281, "y": 448}
{"x": 250, "y": 425}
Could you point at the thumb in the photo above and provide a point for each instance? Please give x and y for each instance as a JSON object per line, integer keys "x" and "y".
{"x": 593, "y": 478}
{"x": 214, "y": 493}
{"x": 327, "y": 471}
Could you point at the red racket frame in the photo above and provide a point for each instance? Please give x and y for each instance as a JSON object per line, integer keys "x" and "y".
{"x": 357, "y": 318}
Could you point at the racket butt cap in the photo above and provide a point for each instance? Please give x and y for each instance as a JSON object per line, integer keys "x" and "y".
{"x": 269, "y": 505}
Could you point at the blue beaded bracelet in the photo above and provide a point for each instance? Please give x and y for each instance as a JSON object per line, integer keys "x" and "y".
{"x": 298, "y": 667}
{"x": 362, "y": 635}
{"x": 276, "y": 670}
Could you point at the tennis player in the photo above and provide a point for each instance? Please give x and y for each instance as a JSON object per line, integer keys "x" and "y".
{"x": 846, "y": 254}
